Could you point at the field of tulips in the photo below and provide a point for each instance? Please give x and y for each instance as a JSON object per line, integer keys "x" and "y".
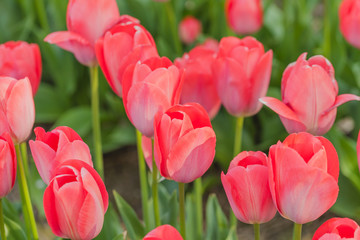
{"x": 179, "y": 119}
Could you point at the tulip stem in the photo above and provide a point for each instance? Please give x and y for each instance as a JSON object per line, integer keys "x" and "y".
{"x": 199, "y": 207}
{"x": 24, "y": 156}
{"x": 256, "y": 231}
{"x": 143, "y": 182}
{"x": 327, "y": 29}
{"x": 297, "y": 231}
{"x": 27, "y": 207}
{"x": 2, "y": 224}
{"x": 155, "y": 188}
{"x": 94, "y": 79}
{"x": 171, "y": 16}
{"x": 182, "y": 209}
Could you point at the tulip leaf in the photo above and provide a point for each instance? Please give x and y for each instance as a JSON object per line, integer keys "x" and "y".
{"x": 168, "y": 206}
{"x": 133, "y": 225}
{"x": 190, "y": 214}
{"x": 13, "y": 230}
{"x": 216, "y": 222}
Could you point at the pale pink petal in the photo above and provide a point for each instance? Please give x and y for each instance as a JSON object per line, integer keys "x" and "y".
{"x": 343, "y": 98}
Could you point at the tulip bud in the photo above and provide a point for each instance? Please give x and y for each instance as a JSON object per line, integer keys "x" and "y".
{"x": 338, "y": 228}
{"x": 52, "y": 148}
{"x": 8, "y": 164}
{"x": 349, "y": 16}
{"x": 75, "y": 201}
{"x": 164, "y": 232}
{"x": 19, "y": 60}
{"x": 189, "y": 29}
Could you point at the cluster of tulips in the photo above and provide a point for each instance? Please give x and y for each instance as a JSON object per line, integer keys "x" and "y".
{"x": 171, "y": 106}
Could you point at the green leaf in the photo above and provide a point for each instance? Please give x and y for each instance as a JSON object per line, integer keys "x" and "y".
{"x": 13, "y": 230}
{"x": 216, "y": 222}
{"x": 133, "y": 225}
{"x": 168, "y": 206}
{"x": 190, "y": 216}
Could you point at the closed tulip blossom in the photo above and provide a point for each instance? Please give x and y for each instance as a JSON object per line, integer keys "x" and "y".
{"x": 124, "y": 44}
{"x": 349, "y": 16}
{"x": 189, "y": 29}
{"x": 17, "y": 114}
{"x": 87, "y": 21}
{"x": 146, "y": 146}
{"x": 148, "y": 88}
{"x": 199, "y": 84}
{"x": 19, "y": 60}
{"x": 52, "y": 148}
{"x": 310, "y": 97}
{"x": 247, "y": 188}
{"x": 164, "y": 232}
{"x": 303, "y": 176}
{"x": 75, "y": 201}
{"x": 7, "y": 164}
{"x": 244, "y": 16}
{"x": 242, "y": 73}
{"x": 337, "y": 229}
{"x": 184, "y": 142}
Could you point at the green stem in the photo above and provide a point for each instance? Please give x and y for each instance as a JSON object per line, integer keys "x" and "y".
{"x": 25, "y": 194}
{"x": 174, "y": 28}
{"x": 41, "y": 14}
{"x": 199, "y": 207}
{"x": 143, "y": 182}
{"x": 297, "y": 231}
{"x": 2, "y": 224}
{"x": 155, "y": 188}
{"x": 256, "y": 231}
{"x": 24, "y": 156}
{"x": 327, "y": 29}
{"x": 94, "y": 79}
{"x": 182, "y": 209}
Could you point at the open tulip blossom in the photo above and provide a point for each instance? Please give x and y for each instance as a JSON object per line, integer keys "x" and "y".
{"x": 338, "y": 228}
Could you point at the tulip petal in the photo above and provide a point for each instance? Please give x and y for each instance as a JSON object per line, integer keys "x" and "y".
{"x": 163, "y": 232}
{"x": 43, "y": 156}
{"x": 75, "y": 150}
{"x": 51, "y": 213}
{"x": 332, "y": 157}
{"x": 343, "y": 98}
{"x": 330, "y": 236}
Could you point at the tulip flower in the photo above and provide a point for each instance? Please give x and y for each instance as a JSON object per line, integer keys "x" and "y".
{"x": 164, "y": 232}
{"x": 146, "y": 146}
{"x": 189, "y": 29}
{"x": 337, "y": 229}
{"x": 349, "y": 16}
{"x": 247, "y": 188}
{"x": 87, "y": 21}
{"x": 17, "y": 115}
{"x": 242, "y": 74}
{"x": 309, "y": 96}
{"x": 199, "y": 83}
{"x": 303, "y": 176}
{"x": 244, "y": 16}
{"x": 19, "y": 60}
{"x": 184, "y": 142}
{"x": 124, "y": 44}
{"x": 7, "y": 164}
{"x": 75, "y": 201}
{"x": 148, "y": 88}
{"x": 52, "y": 148}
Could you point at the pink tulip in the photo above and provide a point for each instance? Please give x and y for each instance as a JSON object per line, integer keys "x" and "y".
{"x": 75, "y": 201}
{"x": 184, "y": 142}
{"x": 242, "y": 73}
{"x": 199, "y": 83}
{"x": 124, "y": 44}
{"x": 7, "y": 164}
{"x": 148, "y": 88}
{"x": 164, "y": 232}
{"x": 303, "y": 176}
{"x": 349, "y": 16}
{"x": 244, "y": 16}
{"x": 17, "y": 114}
{"x": 52, "y": 148}
{"x": 87, "y": 21}
{"x": 19, "y": 60}
{"x": 247, "y": 188}
{"x": 309, "y": 96}
{"x": 337, "y": 229}
{"x": 189, "y": 29}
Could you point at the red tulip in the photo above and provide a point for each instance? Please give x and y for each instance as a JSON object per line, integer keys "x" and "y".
{"x": 124, "y": 44}
{"x": 7, "y": 164}
{"x": 164, "y": 232}
{"x": 309, "y": 96}
{"x": 349, "y": 15}
{"x": 199, "y": 83}
{"x": 247, "y": 188}
{"x": 150, "y": 87}
{"x": 17, "y": 114}
{"x": 244, "y": 16}
{"x": 52, "y": 148}
{"x": 184, "y": 142}
{"x": 147, "y": 150}
{"x": 87, "y": 21}
{"x": 242, "y": 74}
{"x": 19, "y": 60}
{"x": 75, "y": 201}
{"x": 189, "y": 29}
{"x": 337, "y": 229}
{"x": 303, "y": 176}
